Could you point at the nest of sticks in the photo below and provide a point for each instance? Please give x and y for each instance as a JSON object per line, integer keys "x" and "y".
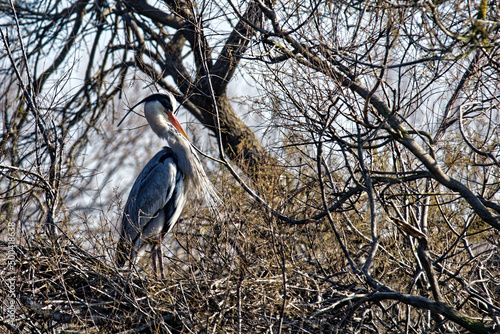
{"x": 61, "y": 287}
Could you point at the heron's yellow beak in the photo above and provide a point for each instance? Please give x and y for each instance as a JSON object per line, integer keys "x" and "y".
{"x": 176, "y": 124}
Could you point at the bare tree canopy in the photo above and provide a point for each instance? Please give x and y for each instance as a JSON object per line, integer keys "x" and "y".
{"x": 366, "y": 178}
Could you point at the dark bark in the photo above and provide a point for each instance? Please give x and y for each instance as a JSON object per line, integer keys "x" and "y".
{"x": 239, "y": 142}
{"x": 472, "y": 325}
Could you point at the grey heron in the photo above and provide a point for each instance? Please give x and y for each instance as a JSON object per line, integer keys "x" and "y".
{"x": 160, "y": 191}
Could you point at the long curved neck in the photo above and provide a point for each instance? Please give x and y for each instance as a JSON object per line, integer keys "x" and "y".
{"x": 180, "y": 145}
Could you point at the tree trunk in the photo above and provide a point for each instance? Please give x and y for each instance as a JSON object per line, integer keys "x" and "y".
{"x": 239, "y": 142}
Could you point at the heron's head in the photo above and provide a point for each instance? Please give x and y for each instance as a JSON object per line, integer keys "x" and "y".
{"x": 163, "y": 104}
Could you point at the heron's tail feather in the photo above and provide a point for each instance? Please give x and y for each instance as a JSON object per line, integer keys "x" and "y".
{"x": 203, "y": 186}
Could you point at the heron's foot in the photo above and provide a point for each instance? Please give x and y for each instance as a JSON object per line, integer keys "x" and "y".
{"x": 157, "y": 255}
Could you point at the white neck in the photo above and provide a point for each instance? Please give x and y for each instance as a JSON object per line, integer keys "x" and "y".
{"x": 176, "y": 141}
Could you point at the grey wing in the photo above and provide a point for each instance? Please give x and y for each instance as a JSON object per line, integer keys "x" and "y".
{"x": 154, "y": 199}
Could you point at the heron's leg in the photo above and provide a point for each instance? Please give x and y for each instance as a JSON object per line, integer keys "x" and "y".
{"x": 160, "y": 257}
{"x": 132, "y": 257}
{"x": 153, "y": 258}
